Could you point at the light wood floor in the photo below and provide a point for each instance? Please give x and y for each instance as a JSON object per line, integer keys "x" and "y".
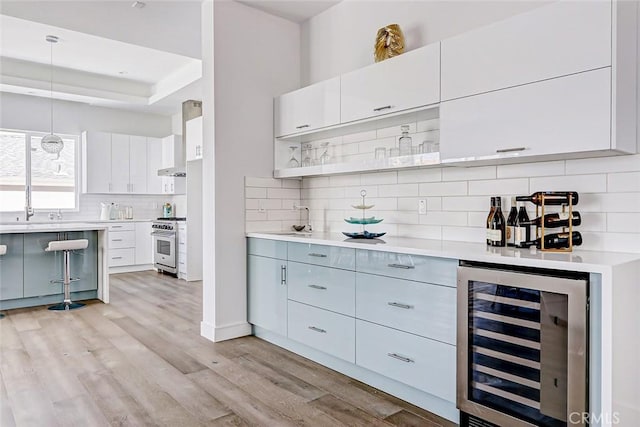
{"x": 141, "y": 361}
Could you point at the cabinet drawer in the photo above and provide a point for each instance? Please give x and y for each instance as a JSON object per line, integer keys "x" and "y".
{"x": 330, "y": 256}
{"x": 321, "y": 329}
{"x": 422, "y": 363}
{"x": 118, "y": 257}
{"x": 266, "y": 247}
{"x": 122, "y": 226}
{"x": 419, "y": 308}
{"x": 122, "y": 239}
{"x": 329, "y": 288}
{"x": 440, "y": 271}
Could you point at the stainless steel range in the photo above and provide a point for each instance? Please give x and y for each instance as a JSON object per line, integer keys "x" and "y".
{"x": 165, "y": 244}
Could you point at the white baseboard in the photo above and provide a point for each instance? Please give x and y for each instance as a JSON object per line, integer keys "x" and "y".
{"x": 223, "y": 333}
{"x": 130, "y": 268}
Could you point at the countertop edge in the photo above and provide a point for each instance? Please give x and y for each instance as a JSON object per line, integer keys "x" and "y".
{"x": 586, "y": 261}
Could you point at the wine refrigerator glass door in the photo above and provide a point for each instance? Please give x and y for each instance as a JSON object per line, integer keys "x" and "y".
{"x": 522, "y": 347}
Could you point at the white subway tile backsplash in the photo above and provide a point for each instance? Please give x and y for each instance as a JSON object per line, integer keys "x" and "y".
{"x": 379, "y": 178}
{"x": 434, "y": 204}
{"x": 623, "y": 223}
{"x": 315, "y": 182}
{"x": 419, "y": 175}
{"x": 464, "y": 174}
{"x": 427, "y": 125}
{"x": 396, "y": 217}
{"x": 466, "y": 203}
{"x": 420, "y": 231}
{"x": 256, "y": 226}
{"x": 360, "y": 136}
{"x": 251, "y": 215}
{"x": 291, "y": 183}
{"x": 499, "y": 186}
{"x": 611, "y": 242}
{"x": 531, "y": 169}
{"x": 592, "y": 221}
{"x": 623, "y": 182}
{"x": 283, "y": 193}
{"x": 323, "y": 193}
{"x": 464, "y": 234}
{"x": 580, "y": 183}
{"x": 354, "y": 192}
{"x": 371, "y": 145}
{"x": 255, "y": 193}
{"x": 262, "y": 182}
{"x": 411, "y": 203}
{"x": 344, "y": 180}
{"x": 477, "y": 219}
{"x": 603, "y": 165}
{"x": 284, "y": 215}
{"x": 398, "y": 190}
{"x": 444, "y": 188}
{"x": 444, "y": 218}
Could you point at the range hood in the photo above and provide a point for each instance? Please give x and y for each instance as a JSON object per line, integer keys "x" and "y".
{"x": 179, "y": 171}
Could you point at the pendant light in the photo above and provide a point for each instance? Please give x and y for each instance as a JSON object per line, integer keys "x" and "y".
{"x": 51, "y": 143}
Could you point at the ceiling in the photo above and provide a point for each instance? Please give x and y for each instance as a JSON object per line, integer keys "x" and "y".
{"x": 95, "y": 69}
{"x": 292, "y": 10}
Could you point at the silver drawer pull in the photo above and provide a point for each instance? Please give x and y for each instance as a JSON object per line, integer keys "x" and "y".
{"x": 302, "y": 126}
{"x": 116, "y": 240}
{"x": 400, "y": 305}
{"x": 322, "y": 288}
{"x": 509, "y": 150}
{"x": 313, "y": 328}
{"x": 404, "y": 266}
{"x": 283, "y": 274}
{"x": 397, "y": 356}
{"x": 317, "y": 255}
{"x": 386, "y": 107}
{"x": 116, "y": 257}
{"x": 116, "y": 226}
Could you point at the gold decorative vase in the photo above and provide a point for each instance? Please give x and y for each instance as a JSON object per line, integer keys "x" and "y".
{"x": 389, "y": 42}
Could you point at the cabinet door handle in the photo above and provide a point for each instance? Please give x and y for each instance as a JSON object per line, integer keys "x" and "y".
{"x": 509, "y": 150}
{"x": 116, "y": 240}
{"x": 116, "y": 226}
{"x": 283, "y": 274}
{"x": 302, "y": 126}
{"x": 313, "y": 328}
{"x": 400, "y": 305}
{"x": 116, "y": 257}
{"x": 317, "y": 255}
{"x": 397, "y": 356}
{"x": 386, "y": 107}
{"x": 403, "y": 266}
{"x": 322, "y": 288}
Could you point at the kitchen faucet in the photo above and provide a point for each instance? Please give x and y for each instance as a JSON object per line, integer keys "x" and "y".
{"x": 28, "y": 210}
{"x": 309, "y": 228}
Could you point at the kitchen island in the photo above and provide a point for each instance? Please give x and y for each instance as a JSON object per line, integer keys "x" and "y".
{"x": 26, "y": 270}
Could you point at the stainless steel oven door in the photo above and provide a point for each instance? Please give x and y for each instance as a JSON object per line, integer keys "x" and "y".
{"x": 521, "y": 347}
{"x": 164, "y": 252}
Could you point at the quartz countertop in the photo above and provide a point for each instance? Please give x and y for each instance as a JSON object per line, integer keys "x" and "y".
{"x": 51, "y": 227}
{"x": 578, "y": 260}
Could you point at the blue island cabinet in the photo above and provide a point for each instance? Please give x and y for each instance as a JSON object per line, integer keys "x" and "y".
{"x": 41, "y": 267}
{"x": 11, "y": 267}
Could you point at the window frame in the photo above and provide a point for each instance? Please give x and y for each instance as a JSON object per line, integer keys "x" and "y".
{"x": 77, "y": 167}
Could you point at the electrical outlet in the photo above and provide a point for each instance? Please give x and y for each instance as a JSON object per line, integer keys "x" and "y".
{"x": 422, "y": 206}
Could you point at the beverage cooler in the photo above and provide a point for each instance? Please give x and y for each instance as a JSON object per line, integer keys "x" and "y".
{"x": 522, "y": 346}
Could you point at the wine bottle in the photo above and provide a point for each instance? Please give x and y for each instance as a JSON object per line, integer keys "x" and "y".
{"x": 556, "y": 241}
{"x": 522, "y": 228}
{"x": 511, "y": 222}
{"x": 555, "y": 220}
{"x": 498, "y": 225}
{"x": 551, "y": 198}
{"x": 491, "y": 211}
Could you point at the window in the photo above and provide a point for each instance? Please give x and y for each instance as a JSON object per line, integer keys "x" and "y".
{"x": 52, "y": 177}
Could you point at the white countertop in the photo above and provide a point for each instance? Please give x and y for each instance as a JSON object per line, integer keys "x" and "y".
{"x": 51, "y": 227}
{"x": 578, "y": 260}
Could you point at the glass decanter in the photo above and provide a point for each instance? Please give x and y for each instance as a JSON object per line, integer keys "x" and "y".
{"x": 404, "y": 143}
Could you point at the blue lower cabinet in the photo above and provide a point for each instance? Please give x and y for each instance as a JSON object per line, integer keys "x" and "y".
{"x": 41, "y": 267}
{"x": 267, "y": 293}
{"x": 323, "y": 330}
{"x": 324, "y": 287}
{"x": 329, "y": 256}
{"x": 425, "y": 364}
{"x": 11, "y": 267}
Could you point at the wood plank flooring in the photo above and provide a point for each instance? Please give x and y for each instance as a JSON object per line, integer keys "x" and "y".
{"x": 140, "y": 361}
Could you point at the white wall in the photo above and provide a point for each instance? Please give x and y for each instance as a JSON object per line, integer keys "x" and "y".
{"x": 341, "y": 38}
{"x": 32, "y": 113}
{"x": 256, "y": 58}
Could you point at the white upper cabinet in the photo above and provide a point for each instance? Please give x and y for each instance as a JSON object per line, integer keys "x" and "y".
{"x": 312, "y": 107}
{"x": 172, "y": 153}
{"x": 119, "y": 163}
{"x": 96, "y": 154}
{"x": 406, "y": 81}
{"x": 154, "y": 162}
{"x": 565, "y": 115}
{"x": 137, "y": 164}
{"x": 194, "y": 138}
{"x": 559, "y": 39}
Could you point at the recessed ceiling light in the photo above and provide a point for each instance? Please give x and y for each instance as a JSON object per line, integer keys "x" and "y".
{"x": 138, "y": 4}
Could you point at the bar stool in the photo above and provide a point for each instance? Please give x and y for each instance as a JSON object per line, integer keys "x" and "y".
{"x": 66, "y": 246}
{"x": 3, "y": 251}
